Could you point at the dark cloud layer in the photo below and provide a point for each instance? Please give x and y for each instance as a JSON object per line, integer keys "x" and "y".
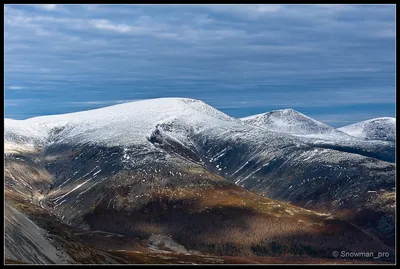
{"x": 334, "y": 60}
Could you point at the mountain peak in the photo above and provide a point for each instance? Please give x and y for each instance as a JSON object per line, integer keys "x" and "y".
{"x": 286, "y": 110}
{"x": 383, "y": 128}
{"x": 289, "y": 121}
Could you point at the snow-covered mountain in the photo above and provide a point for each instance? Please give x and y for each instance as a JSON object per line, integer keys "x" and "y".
{"x": 373, "y": 129}
{"x": 124, "y": 124}
{"x": 290, "y": 121}
{"x": 182, "y": 119}
{"x": 109, "y": 167}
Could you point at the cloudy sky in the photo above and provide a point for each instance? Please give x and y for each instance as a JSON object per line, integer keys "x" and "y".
{"x": 335, "y": 63}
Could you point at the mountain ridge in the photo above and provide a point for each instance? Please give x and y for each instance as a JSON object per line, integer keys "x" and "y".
{"x": 170, "y": 110}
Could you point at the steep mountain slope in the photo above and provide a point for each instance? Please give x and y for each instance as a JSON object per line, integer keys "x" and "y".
{"x": 32, "y": 234}
{"x": 373, "y": 129}
{"x": 160, "y": 166}
{"x": 191, "y": 204}
{"x": 20, "y": 230}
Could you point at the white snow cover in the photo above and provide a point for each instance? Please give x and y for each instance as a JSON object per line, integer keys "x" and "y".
{"x": 292, "y": 122}
{"x": 24, "y": 132}
{"x": 124, "y": 124}
{"x": 180, "y": 118}
{"x": 374, "y": 129}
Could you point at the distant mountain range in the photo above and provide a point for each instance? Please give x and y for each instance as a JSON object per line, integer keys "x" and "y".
{"x": 174, "y": 175}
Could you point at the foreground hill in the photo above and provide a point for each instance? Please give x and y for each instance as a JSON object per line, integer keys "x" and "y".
{"x": 193, "y": 208}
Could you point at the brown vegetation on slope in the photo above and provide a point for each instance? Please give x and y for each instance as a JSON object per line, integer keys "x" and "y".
{"x": 232, "y": 221}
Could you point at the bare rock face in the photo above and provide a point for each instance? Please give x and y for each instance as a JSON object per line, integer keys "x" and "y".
{"x": 164, "y": 242}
